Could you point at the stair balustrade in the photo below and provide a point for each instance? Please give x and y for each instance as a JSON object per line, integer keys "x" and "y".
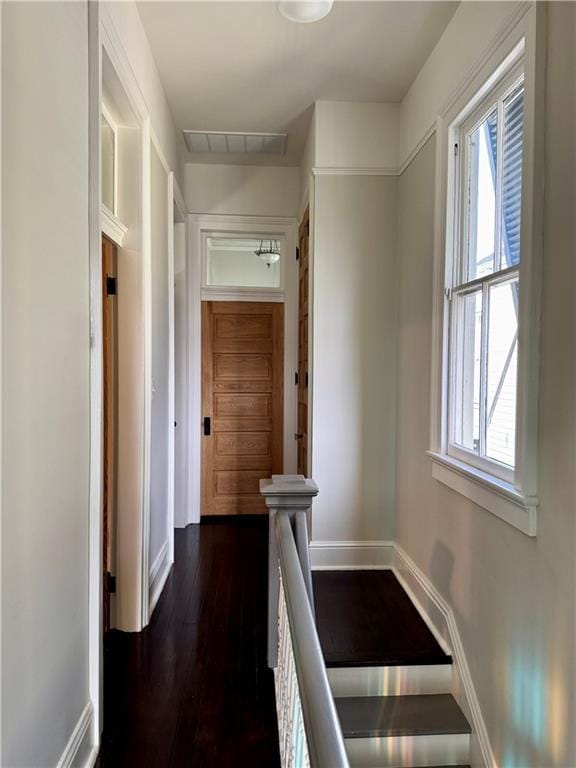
{"x": 309, "y": 729}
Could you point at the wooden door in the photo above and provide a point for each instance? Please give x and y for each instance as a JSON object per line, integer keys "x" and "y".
{"x": 110, "y": 420}
{"x": 242, "y": 403}
{"x": 303, "y": 285}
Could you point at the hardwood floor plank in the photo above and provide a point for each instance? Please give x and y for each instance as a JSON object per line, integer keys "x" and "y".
{"x": 364, "y": 618}
{"x": 193, "y": 689}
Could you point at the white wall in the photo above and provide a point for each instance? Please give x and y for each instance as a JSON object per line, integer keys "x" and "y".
{"x": 160, "y": 357}
{"x": 356, "y": 135}
{"x": 126, "y": 21}
{"x": 470, "y": 31}
{"x": 45, "y": 379}
{"x": 242, "y": 190}
{"x": 513, "y": 596}
{"x": 181, "y": 485}
{"x": 354, "y": 340}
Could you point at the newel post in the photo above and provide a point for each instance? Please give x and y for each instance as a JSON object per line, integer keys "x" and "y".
{"x": 290, "y": 495}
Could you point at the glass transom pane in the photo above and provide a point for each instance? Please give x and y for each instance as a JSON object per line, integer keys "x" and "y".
{"x": 467, "y": 332}
{"x": 107, "y": 165}
{"x": 482, "y": 169}
{"x": 232, "y": 261}
{"x": 502, "y": 363}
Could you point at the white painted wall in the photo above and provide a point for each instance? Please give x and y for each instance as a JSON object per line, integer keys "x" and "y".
{"x": 470, "y": 31}
{"x": 181, "y": 479}
{"x": 126, "y": 21}
{"x": 354, "y": 341}
{"x": 45, "y": 380}
{"x": 356, "y": 135}
{"x": 306, "y": 164}
{"x": 242, "y": 190}
{"x": 160, "y": 357}
{"x": 513, "y": 597}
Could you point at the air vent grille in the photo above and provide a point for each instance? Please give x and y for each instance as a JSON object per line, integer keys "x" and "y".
{"x": 233, "y": 142}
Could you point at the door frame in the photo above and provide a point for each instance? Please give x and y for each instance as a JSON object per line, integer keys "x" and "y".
{"x": 286, "y": 227}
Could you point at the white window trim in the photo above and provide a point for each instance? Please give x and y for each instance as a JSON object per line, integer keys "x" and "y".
{"x": 515, "y": 502}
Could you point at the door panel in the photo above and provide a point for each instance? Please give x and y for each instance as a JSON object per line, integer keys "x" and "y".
{"x": 303, "y": 292}
{"x": 109, "y": 419}
{"x": 243, "y": 394}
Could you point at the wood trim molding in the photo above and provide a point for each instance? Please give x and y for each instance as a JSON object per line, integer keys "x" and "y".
{"x": 79, "y": 751}
{"x": 439, "y": 616}
{"x": 354, "y": 171}
{"x": 351, "y": 555}
{"x": 112, "y": 227}
{"x": 158, "y": 575}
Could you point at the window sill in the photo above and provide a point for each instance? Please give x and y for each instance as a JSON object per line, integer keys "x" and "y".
{"x": 490, "y": 493}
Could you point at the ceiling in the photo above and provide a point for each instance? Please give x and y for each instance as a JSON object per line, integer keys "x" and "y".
{"x": 240, "y": 66}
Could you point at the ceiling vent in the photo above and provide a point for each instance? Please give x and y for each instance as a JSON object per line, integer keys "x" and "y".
{"x": 232, "y": 142}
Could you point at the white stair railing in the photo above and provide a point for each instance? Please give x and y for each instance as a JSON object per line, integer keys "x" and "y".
{"x": 309, "y": 730}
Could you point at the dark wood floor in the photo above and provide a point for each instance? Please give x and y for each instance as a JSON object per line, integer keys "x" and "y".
{"x": 365, "y": 618}
{"x": 193, "y": 688}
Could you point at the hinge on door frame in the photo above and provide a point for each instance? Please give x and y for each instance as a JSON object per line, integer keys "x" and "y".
{"x": 111, "y": 286}
{"x": 297, "y": 253}
{"x": 296, "y": 378}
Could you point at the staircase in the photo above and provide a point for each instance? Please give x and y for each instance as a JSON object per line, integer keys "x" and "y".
{"x": 390, "y": 678}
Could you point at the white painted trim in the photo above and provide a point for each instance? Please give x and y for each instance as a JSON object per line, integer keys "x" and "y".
{"x": 158, "y": 575}
{"x": 218, "y": 294}
{"x": 351, "y": 555}
{"x": 112, "y": 227}
{"x": 282, "y": 226}
{"x": 523, "y": 36}
{"x": 79, "y": 742}
{"x": 147, "y": 316}
{"x": 439, "y": 616}
{"x": 170, "y": 201}
{"x": 428, "y": 133}
{"x": 488, "y": 492}
{"x": 354, "y": 171}
{"x": 96, "y": 376}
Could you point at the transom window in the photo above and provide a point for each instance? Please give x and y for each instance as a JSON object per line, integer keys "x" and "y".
{"x": 483, "y": 283}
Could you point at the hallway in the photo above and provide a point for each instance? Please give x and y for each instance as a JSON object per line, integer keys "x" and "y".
{"x": 193, "y": 689}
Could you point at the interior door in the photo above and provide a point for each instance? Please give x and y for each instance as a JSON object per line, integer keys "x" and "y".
{"x": 110, "y": 420}
{"x": 243, "y": 403}
{"x": 303, "y": 290}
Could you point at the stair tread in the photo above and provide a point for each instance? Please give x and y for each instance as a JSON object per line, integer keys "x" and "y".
{"x": 411, "y": 715}
{"x": 366, "y": 619}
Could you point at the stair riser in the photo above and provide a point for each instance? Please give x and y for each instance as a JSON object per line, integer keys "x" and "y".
{"x": 408, "y": 751}
{"x": 390, "y": 681}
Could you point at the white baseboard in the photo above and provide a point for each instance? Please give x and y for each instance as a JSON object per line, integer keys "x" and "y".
{"x": 351, "y": 555}
{"x": 439, "y": 616}
{"x": 158, "y": 575}
{"x": 79, "y": 752}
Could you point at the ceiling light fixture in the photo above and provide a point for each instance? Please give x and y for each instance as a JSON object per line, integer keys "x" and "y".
{"x": 268, "y": 252}
{"x": 305, "y": 11}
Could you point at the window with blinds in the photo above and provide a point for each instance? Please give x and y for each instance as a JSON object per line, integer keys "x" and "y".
{"x": 483, "y": 286}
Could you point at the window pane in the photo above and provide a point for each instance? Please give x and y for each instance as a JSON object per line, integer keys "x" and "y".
{"x": 107, "y": 162}
{"x": 501, "y": 372}
{"x": 233, "y": 262}
{"x": 512, "y": 177}
{"x": 467, "y": 332}
{"x": 482, "y": 163}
